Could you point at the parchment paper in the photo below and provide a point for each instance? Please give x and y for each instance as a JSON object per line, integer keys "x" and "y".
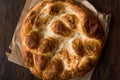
{"x": 15, "y": 46}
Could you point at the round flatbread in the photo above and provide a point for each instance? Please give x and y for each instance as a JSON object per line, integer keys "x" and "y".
{"x": 60, "y": 40}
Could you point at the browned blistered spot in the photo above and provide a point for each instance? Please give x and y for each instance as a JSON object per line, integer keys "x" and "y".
{"x": 41, "y": 61}
{"x": 93, "y": 27}
{"x": 78, "y": 47}
{"x": 53, "y": 70}
{"x": 55, "y": 0}
{"x": 40, "y": 21}
{"x": 47, "y": 45}
{"x": 31, "y": 18}
{"x": 92, "y": 47}
{"x": 65, "y": 55}
{"x": 66, "y": 75}
{"x": 71, "y": 20}
{"x": 56, "y": 9}
{"x": 32, "y": 40}
{"x": 59, "y": 28}
{"x": 86, "y": 66}
{"x": 32, "y": 13}
{"x": 60, "y": 0}
{"x": 28, "y": 58}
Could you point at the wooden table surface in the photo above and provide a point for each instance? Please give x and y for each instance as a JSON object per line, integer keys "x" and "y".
{"x": 108, "y": 67}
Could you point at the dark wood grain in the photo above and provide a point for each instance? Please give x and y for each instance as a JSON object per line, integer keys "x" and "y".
{"x": 108, "y": 67}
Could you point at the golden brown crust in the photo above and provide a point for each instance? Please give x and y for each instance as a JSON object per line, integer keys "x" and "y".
{"x": 60, "y": 29}
{"x": 93, "y": 27}
{"x": 47, "y": 45}
{"x": 41, "y": 61}
{"x": 28, "y": 59}
{"x": 72, "y": 20}
{"x": 32, "y": 40}
{"x": 53, "y": 70}
{"x": 60, "y": 40}
{"x": 78, "y": 47}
